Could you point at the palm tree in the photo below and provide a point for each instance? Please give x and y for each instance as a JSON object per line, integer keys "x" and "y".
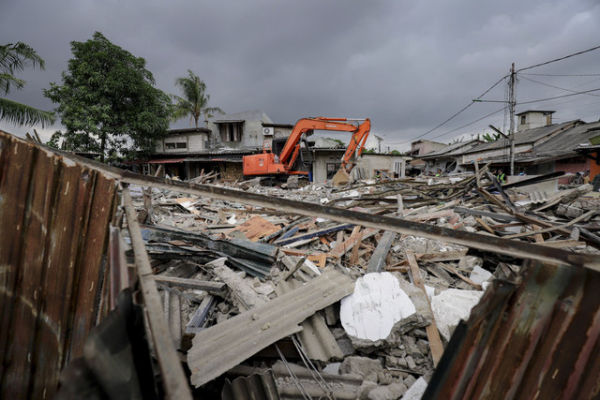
{"x": 13, "y": 58}
{"x": 194, "y": 101}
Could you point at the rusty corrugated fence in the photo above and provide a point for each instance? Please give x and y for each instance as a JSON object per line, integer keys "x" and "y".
{"x": 538, "y": 339}
{"x": 54, "y": 217}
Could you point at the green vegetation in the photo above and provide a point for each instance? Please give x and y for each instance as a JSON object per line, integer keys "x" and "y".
{"x": 487, "y": 137}
{"x": 369, "y": 151}
{"x": 194, "y": 101}
{"x": 107, "y": 101}
{"x": 13, "y": 58}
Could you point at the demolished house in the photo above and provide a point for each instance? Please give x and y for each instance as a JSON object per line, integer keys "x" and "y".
{"x": 121, "y": 285}
{"x": 541, "y": 147}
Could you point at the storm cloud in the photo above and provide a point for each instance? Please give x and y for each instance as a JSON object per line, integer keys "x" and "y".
{"x": 407, "y": 65}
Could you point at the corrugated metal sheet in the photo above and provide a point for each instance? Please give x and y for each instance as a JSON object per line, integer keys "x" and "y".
{"x": 316, "y": 338}
{"x": 225, "y": 345}
{"x": 54, "y": 218}
{"x": 257, "y": 386}
{"x": 533, "y": 340}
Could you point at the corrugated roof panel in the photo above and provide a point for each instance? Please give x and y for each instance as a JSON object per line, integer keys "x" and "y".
{"x": 225, "y": 345}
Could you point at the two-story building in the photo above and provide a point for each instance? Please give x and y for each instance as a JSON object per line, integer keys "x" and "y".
{"x": 219, "y": 147}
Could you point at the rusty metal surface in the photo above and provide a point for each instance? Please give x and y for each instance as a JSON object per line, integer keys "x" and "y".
{"x": 54, "y": 219}
{"x": 533, "y": 340}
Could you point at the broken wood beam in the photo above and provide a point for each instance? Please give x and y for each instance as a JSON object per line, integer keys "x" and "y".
{"x": 378, "y": 258}
{"x": 173, "y": 377}
{"x": 342, "y": 248}
{"x": 218, "y": 288}
{"x": 453, "y": 270}
{"x": 433, "y": 335}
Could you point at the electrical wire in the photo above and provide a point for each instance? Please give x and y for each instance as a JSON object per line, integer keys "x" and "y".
{"x": 559, "y": 59}
{"x": 461, "y": 110}
{"x": 470, "y": 123}
{"x": 532, "y": 74}
{"x": 558, "y": 97}
{"x": 556, "y": 87}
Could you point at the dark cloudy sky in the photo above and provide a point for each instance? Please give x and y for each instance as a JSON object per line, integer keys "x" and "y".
{"x": 407, "y": 65}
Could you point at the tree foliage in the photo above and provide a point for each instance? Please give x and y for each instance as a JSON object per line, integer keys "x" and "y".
{"x": 194, "y": 102}
{"x": 107, "y": 101}
{"x": 487, "y": 137}
{"x": 14, "y": 57}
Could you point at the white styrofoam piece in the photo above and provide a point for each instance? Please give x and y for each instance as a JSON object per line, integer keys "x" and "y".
{"x": 376, "y": 305}
{"x": 480, "y": 275}
{"x": 452, "y": 305}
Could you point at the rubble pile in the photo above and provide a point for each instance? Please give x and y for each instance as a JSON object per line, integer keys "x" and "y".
{"x": 332, "y": 310}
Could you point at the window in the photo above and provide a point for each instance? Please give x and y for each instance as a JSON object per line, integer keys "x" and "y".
{"x": 332, "y": 168}
{"x": 231, "y": 131}
{"x": 175, "y": 145}
{"x": 523, "y": 119}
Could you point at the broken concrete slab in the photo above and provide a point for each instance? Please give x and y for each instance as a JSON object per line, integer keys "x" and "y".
{"x": 452, "y": 305}
{"x": 415, "y": 392}
{"x": 392, "y": 391}
{"x": 366, "y": 367}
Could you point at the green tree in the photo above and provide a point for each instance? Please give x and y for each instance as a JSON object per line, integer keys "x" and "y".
{"x": 194, "y": 101}
{"x": 108, "y": 102}
{"x": 15, "y": 57}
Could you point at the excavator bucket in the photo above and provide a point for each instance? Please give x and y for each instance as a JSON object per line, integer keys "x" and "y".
{"x": 341, "y": 177}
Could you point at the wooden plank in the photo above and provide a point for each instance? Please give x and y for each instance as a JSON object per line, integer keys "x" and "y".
{"x": 342, "y": 248}
{"x": 218, "y": 288}
{"x": 563, "y": 243}
{"x": 431, "y": 215}
{"x": 378, "y": 258}
{"x": 174, "y": 379}
{"x": 484, "y": 225}
{"x": 354, "y": 255}
{"x": 433, "y": 335}
{"x": 450, "y": 268}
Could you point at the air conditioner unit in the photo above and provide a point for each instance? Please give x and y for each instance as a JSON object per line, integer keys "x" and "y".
{"x": 268, "y": 131}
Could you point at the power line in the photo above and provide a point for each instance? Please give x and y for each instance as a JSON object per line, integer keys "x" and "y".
{"x": 459, "y": 111}
{"x": 558, "y": 97}
{"x": 470, "y": 123}
{"x": 559, "y": 59}
{"x": 556, "y": 87}
{"x": 531, "y": 73}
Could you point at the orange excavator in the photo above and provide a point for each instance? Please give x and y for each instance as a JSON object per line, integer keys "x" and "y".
{"x": 269, "y": 164}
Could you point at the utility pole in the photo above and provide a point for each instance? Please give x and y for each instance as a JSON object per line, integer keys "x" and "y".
{"x": 511, "y": 104}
